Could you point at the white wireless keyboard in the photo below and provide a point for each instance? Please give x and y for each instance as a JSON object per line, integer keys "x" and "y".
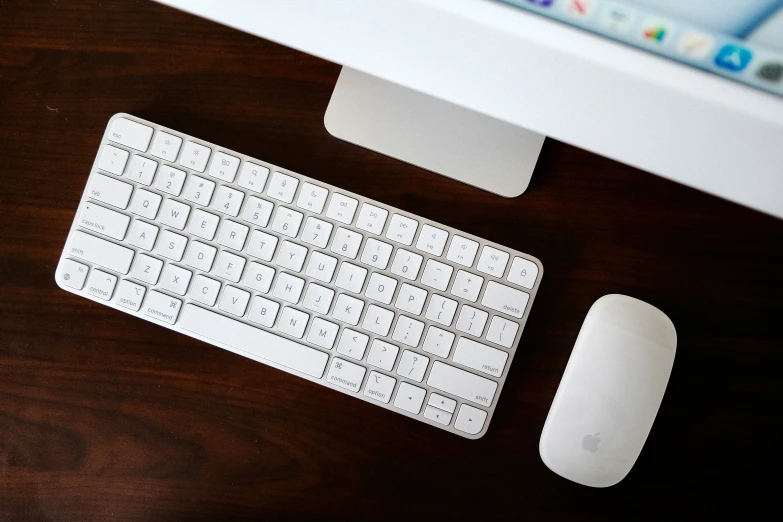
{"x": 358, "y": 296}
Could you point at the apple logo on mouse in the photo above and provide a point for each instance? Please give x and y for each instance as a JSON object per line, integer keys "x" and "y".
{"x": 590, "y": 442}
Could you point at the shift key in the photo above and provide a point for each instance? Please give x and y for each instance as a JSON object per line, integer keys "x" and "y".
{"x": 101, "y": 252}
{"x": 463, "y": 384}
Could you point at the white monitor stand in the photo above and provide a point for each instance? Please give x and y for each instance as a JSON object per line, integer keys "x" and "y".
{"x": 433, "y": 134}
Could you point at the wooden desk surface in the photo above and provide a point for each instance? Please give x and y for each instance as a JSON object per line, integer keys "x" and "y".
{"x": 105, "y": 417}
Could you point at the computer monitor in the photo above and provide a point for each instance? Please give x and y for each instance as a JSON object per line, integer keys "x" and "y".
{"x": 691, "y": 91}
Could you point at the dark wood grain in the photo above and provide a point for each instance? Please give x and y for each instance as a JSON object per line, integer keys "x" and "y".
{"x": 105, "y": 417}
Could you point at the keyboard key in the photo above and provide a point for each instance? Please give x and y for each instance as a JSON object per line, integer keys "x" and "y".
{"x": 204, "y": 290}
{"x": 293, "y": 322}
{"x": 101, "y": 252}
{"x": 346, "y": 375}
{"x": 200, "y": 255}
{"x": 406, "y": 264}
{"x": 234, "y": 301}
{"x": 175, "y": 279}
{"x": 470, "y": 419}
{"x": 291, "y": 256}
{"x": 288, "y": 288}
{"x": 378, "y": 320}
{"x": 408, "y": 331}
{"x": 195, "y": 156}
{"x": 523, "y": 273}
{"x": 462, "y": 250}
{"x": 262, "y": 245}
{"x": 228, "y": 201}
{"x": 441, "y": 310}
{"x": 480, "y": 357}
{"x": 101, "y": 284}
{"x": 110, "y": 191}
{"x": 146, "y": 204}
{"x": 350, "y": 277}
{"x": 502, "y": 331}
{"x": 147, "y": 269}
{"x": 171, "y": 245}
{"x": 402, "y": 229}
{"x": 175, "y": 215}
{"x": 253, "y": 177}
{"x": 322, "y": 333}
{"x": 258, "y": 211}
{"x": 472, "y": 320}
{"x": 346, "y": 243}
{"x": 436, "y": 275}
{"x": 437, "y": 415}
{"x": 376, "y": 253}
{"x": 203, "y": 224}
{"x": 104, "y": 221}
{"x": 162, "y": 307}
{"x": 438, "y": 342}
{"x": 348, "y": 309}
{"x": 113, "y": 160}
{"x": 505, "y": 299}
{"x": 224, "y": 167}
{"x": 318, "y": 298}
{"x": 130, "y": 133}
{"x": 467, "y": 285}
{"x": 255, "y": 342}
{"x": 379, "y": 387}
{"x": 312, "y": 198}
{"x": 317, "y": 232}
{"x": 130, "y": 295}
{"x": 382, "y": 355}
{"x": 287, "y": 222}
{"x": 371, "y": 218}
{"x": 432, "y": 240}
{"x": 72, "y": 273}
{"x": 321, "y": 267}
{"x": 282, "y": 187}
{"x": 466, "y": 385}
{"x": 170, "y": 180}
{"x": 442, "y": 403}
{"x": 411, "y": 299}
{"x": 232, "y": 235}
{"x": 412, "y": 365}
{"x": 492, "y": 261}
{"x": 166, "y": 146}
{"x": 142, "y": 170}
{"x": 229, "y": 266}
{"x": 352, "y": 344}
{"x": 381, "y": 288}
{"x": 199, "y": 190}
{"x": 259, "y": 277}
{"x": 342, "y": 208}
{"x": 263, "y": 311}
{"x": 409, "y": 398}
{"x": 143, "y": 235}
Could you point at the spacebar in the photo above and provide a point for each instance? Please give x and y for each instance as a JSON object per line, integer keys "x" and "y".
{"x": 254, "y": 342}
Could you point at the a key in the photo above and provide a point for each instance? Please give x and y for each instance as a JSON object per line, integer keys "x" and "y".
{"x": 352, "y": 344}
{"x": 350, "y": 277}
{"x": 346, "y": 374}
{"x": 287, "y": 221}
{"x": 470, "y": 419}
{"x": 412, "y": 365}
{"x": 312, "y": 198}
{"x": 409, "y": 398}
{"x": 436, "y": 275}
{"x": 342, "y": 208}
{"x": 166, "y": 146}
{"x": 224, "y": 167}
{"x": 523, "y": 273}
{"x": 441, "y": 310}
{"x": 346, "y": 243}
{"x": 376, "y": 253}
{"x": 203, "y": 224}
{"x": 253, "y": 177}
{"x": 258, "y": 211}
{"x": 147, "y": 269}
{"x": 130, "y": 133}
{"x": 291, "y": 256}
{"x": 101, "y": 252}
{"x": 467, "y": 285}
{"x": 438, "y": 342}
{"x": 378, "y": 320}
{"x": 371, "y": 218}
{"x": 233, "y": 235}
{"x": 317, "y": 232}
{"x": 502, "y": 331}
{"x": 381, "y": 288}
{"x": 348, "y": 309}
{"x": 143, "y": 235}
{"x": 437, "y": 415}
{"x": 406, "y": 264}
{"x": 170, "y": 180}
{"x": 382, "y": 355}
{"x": 200, "y": 255}
{"x": 110, "y": 191}
{"x": 293, "y": 322}
{"x": 322, "y": 333}
{"x": 234, "y": 300}
{"x": 195, "y": 156}
{"x": 113, "y": 159}
{"x": 229, "y": 266}
{"x": 442, "y": 403}
{"x": 471, "y": 320}
{"x": 259, "y": 277}
{"x": 480, "y": 357}
{"x": 199, "y": 190}
{"x": 171, "y": 245}
{"x": 282, "y": 187}
{"x": 288, "y": 288}
{"x": 379, "y": 387}
{"x": 262, "y": 245}
{"x": 318, "y": 298}
{"x": 175, "y": 215}
{"x": 228, "y": 201}
{"x": 402, "y": 229}
{"x": 142, "y": 170}
{"x": 492, "y": 261}
{"x": 101, "y": 284}
{"x": 263, "y": 311}
{"x": 73, "y": 274}
{"x": 505, "y": 299}
{"x": 466, "y": 385}
{"x": 146, "y": 204}
{"x": 204, "y": 290}
{"x": 162, "y": 307}
{"x": 432, "y": 240}
{"x": 411, "y": 299}
{"x": 175, "y": 279}
{"x": 462, "y": 250}
{"x": 104, "y": 221}
{"x": 321, "y": 267}
{"x": 408, "y": 331}
{"x": 130, "y": 295}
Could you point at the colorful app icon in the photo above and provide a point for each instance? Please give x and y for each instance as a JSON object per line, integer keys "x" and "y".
{"x": 580, "y": 8}
{"x": 733, "y": 58}
{"x": 541, "y": 3}
{"x": 771, "y": 72}
{"x": 695, "y": 44}
{"x": 655, "y": 30}
{"x": 617, "y": 18}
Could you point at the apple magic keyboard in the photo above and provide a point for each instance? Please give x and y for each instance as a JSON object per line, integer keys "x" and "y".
{"x": 358, "y": 296}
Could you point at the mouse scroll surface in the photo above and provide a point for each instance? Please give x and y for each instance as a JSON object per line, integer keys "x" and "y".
{"x": 610, "y": 392}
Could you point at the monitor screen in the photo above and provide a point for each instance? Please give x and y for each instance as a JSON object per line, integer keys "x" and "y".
{"x": 737, "y": 39}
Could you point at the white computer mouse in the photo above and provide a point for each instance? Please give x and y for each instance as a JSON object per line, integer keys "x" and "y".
{"x": 610, "y": 392}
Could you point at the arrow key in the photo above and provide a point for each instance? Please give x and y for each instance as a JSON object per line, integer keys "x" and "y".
{"x": 442, "y": 403}
{"x": 470, "y": 419}
{"x": 437, "y": 415}
{"x": 409, "y": 398}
